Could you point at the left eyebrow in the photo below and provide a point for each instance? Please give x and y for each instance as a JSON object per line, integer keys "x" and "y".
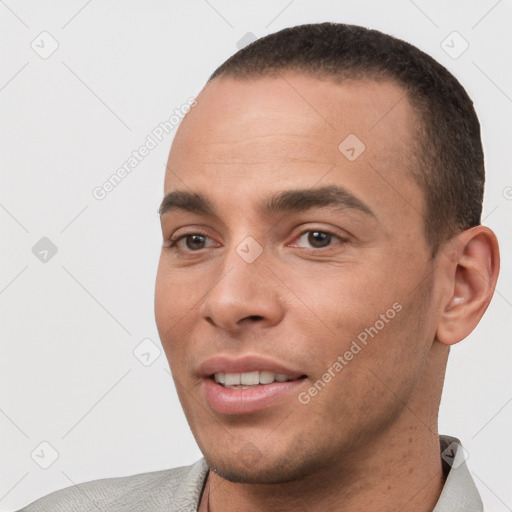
{"x": 333, "y": 196}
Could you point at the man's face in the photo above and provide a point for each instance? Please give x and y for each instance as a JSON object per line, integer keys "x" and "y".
{"x": 299, "y": 306}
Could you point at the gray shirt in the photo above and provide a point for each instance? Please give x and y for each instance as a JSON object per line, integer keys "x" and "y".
{"x": 180, "y": 489}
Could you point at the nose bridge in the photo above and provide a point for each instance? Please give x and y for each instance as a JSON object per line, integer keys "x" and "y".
{"x": 246, "y": 288}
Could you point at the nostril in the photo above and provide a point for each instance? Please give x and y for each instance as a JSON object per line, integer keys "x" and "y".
{"x": 255, "y": 317}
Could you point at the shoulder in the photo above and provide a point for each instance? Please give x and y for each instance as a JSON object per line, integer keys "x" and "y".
{"x": 156, "y": 491}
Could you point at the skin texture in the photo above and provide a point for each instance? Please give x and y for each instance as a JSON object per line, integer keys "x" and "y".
{"x": 369, "y": 439}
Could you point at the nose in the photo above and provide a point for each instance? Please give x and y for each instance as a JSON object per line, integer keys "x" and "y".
{"x": 247, "y": 295}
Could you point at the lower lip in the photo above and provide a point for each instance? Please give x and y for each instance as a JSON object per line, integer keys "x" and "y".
{"x": 245, "y": 401}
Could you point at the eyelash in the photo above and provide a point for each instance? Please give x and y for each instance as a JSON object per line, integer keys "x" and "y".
{"x": 340, "y": 238}
{"x": 173, "y": 242}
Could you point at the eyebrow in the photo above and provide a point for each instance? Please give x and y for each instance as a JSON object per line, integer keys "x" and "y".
{"x": 190, "y": 202}
{"x": 331, "y": 197}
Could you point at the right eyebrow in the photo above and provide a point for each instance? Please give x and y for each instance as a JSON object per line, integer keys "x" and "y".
{"x": 187, "y": 201}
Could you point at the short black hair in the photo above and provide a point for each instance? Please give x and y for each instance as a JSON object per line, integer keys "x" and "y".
{"x": 449, "y": 154}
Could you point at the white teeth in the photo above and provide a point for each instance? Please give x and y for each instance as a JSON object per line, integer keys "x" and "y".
{"x": 220, "y": 378}
{"x": 266, "y": 377}
{"x": 232, "y": 379}
{"x": 249, "y": 378}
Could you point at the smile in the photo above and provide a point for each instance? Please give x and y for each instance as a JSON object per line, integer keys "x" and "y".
{"x": 249, "y": 379}
{"x": 248, "y": 384}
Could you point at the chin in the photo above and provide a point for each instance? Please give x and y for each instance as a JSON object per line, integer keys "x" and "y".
{"x": 249, "y": 470}
{"x": 242, "y": 475}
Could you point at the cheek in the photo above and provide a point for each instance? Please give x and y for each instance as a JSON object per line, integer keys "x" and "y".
{"x": 176, "y": 293}
{"x": 178, "y": 296}
{"x": 171, "y": 306}
{"x": 162, "y": 302}
{"x": 365, "y": 314}
{"x": 345, "y": 299}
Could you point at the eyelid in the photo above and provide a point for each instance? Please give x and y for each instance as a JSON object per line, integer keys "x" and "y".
{"x": 174, "y": 240}
{"x": 187, "y": 229}
{"x": 329, "y": 231}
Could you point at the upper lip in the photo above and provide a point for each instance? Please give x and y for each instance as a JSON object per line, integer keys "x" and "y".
{"x": 245, "y": 364}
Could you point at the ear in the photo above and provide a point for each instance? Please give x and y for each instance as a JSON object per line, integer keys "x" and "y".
{"x": 472, "y": 269}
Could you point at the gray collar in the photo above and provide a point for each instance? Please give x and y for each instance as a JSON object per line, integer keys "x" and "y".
{"x": 459, "y": 493}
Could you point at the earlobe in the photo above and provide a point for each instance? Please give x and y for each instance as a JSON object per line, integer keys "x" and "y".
{"x": 472, "y": 272}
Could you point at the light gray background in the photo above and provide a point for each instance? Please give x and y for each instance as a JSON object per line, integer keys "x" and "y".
{"x": 69, "y": 326}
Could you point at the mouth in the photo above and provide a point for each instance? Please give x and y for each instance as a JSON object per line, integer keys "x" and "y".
{"x": 248, "y": 385}
{"x": 250, "y": 380}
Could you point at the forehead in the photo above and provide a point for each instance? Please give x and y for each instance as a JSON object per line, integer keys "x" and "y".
{"x": 297, "y": 104}
{"x": 274, "y": 133}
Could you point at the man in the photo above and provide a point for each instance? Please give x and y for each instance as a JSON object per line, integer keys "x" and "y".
{"x": 322, "y": 252}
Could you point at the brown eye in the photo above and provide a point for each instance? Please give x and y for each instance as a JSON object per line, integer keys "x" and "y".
{"x": 195, "y": 242}
{"x": 319, "y": 238}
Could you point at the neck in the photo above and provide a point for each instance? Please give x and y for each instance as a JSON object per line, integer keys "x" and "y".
{"x": 407, "y": 475}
